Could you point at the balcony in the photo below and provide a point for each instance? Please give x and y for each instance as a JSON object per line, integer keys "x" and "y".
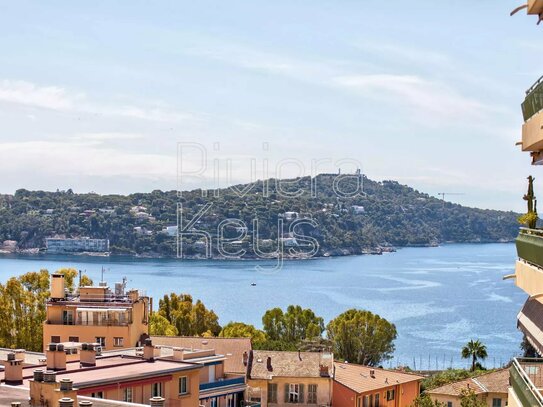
{"x": 529, "y": 244}
{"x": 222, "y": 383}
{"x": 526, "y": 377}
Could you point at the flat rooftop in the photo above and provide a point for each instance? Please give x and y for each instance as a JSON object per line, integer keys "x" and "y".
{"x": 9, "y": 394}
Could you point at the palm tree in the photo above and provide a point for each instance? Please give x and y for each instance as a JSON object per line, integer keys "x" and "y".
{"x": 474, "y": 350}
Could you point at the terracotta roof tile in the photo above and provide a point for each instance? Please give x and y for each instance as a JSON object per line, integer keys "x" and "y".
{"x": 360, "y": 379}
{"x": 289, "y": 364}
{"x": 493, "y": 382}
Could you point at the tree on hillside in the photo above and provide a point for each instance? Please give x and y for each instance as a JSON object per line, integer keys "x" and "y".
{"x": 474, "y": 350}
{"x": 189, "y": 318}
{"x": 242, "y": 330}
{"x": 362, "y": 337}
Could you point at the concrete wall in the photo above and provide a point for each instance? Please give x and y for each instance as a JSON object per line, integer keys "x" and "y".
{"x": 324, "y": 390}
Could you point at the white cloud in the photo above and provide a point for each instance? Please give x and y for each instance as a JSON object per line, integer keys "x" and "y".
{"x": 427, "y": 97}
{"x": 64, "y": 100}
{"x": 29, "y": 94}
{"x": 85, "y": 158}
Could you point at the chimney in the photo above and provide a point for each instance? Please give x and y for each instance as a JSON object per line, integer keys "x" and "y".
{"x": 13, "y": 370}
{"x": 269, "y": 364}
{"x": 157, "y": 402}
{"x": 372, "y": 373}
{"x": 15, "y": 404}
{"x": 57, "y": 287}
{"x": 56, "y": 357}
{"x": 149, "y": 351}
{"x": 66, "y": 402}
{"x": 87, "y": 356}
{"x": 178, "y": 354}
{"x": 245, "y": 358}
{"x": 66, "y": 384}
{"x": 20, "y": 354}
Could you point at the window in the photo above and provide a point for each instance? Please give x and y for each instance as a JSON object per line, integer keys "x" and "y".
{"x": 376, "y": 400}
{"x": 371, "y": 400}
{"x": 100, "y": 340}
{"x": 97, "y": 395}
{"x": 68, "y": 317}
{"x": 127, "y": 394}
{"x": 156, "y": 390}
{"x": 118, "y": 341}
{"x": 272, "y": 392}
{"x": 213, "y": 402}
{"x": 73, "y": 339}
{"x": 366, "y": 401}
{"x": 312, "y": 394}
{"x": 231, "y": 400}
{"x": 496, "y": 402}
{"x": 294, "y": 393}
{"x": 390, "y": 395}
{"x": 55, "y": 339}
{"x": 449, "y": 403}
{"x": 183, "y": 385}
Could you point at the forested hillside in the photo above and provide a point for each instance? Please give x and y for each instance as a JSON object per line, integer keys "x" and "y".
{"x": 386, "y": 215}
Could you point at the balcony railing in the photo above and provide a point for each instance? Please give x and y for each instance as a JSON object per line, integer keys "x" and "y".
{"x": 222, "y": 383}
{"x": 529, "y": 244}
{"x": 533, "y": 102}
{"x": 108, "y": 322}
{"x": 526, "y": 375}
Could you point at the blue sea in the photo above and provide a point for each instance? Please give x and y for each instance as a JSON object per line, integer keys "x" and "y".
{"x": 439, "y": 298}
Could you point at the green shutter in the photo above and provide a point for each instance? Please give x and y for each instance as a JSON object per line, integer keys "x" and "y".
{"x": 286, "y": 393}
{"x": 301, "y": 398}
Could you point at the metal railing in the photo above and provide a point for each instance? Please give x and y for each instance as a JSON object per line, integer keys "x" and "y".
{"x": 533, "y": 232}
{"x": 222, "y": 383}
{"x": 526, "y": 375}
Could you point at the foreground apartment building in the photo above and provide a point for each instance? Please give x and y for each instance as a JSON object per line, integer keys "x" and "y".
{"x": 172, "y": 377}
{"x": 96, "y": 314}
{"x": 526, "y": 374}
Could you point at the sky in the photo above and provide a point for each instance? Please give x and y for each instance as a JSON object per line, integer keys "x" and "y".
{"x": 132, "y": 96}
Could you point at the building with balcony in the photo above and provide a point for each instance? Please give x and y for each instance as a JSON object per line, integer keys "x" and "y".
{"x": 77, "y": 245}
{"x": 356, "y": 386}
{"x": 525, "y": 374}
{"x": 96, "y": 314}
{"x": 284, "y": 378}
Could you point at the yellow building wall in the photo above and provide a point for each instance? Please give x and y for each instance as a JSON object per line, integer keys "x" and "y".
{"x": 324, "y": 390}
{"x": 130, "y": 333}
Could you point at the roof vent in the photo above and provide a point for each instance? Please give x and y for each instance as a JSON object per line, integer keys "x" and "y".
{"x": 372, "y": 373}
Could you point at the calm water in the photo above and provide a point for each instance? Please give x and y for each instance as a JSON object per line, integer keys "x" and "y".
{"x": 439, "y": 298}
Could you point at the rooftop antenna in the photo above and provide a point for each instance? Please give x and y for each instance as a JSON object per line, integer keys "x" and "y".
{"x": 102, "y": 280}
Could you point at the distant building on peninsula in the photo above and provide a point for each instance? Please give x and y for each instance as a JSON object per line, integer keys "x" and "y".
{"x": 76, "y": 245}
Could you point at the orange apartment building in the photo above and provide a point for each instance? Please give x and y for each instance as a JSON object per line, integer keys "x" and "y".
{"x": 96, "y": 315}
{"x": 364, "y": 386}
{"x": 172, "y": 377}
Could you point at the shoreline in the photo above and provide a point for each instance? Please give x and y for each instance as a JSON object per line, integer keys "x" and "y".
{"x": 335, "y": 253}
